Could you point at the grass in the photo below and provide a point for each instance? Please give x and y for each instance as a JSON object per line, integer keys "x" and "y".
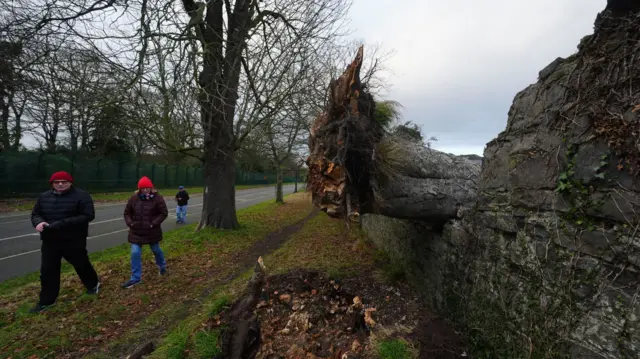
{"x": 325, "y": 245}
{"x": 390, "y": 271}
{"x": 206, "y": 344}
{"x": 394, "y": 349}
{"x": 18, "y": 204}
{"x": 102, "y": 326}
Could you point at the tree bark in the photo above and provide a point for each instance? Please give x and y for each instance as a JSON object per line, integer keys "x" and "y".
{"x": 219, "y": 204}
{"x": 4, "y": 126}
{"x": 18, "y": 110}
{"x": 427, "y": 184}
{"x": 279, "y": 193}
{"x": 240, "y": 336}
{"x": 356, "y": 168}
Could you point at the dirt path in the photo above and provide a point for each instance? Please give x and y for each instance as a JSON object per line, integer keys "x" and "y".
{"x": 244, "y": 260}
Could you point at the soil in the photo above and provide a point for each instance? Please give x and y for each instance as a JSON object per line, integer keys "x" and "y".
{"x": 305, "y": 314}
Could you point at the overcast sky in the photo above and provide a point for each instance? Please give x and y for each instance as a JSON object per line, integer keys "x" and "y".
{"x": 459, "y": 63}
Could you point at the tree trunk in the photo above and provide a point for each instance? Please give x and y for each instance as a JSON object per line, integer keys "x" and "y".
{"x": 73, "y": 142}
{"x": 17, "y": 127}
{"x": 295, "y": 186}
{"x": 219, "y": 82}
{"x": 356, "y": 168}
{"x": 5, "y": 139}
{"x": 219, "y": 205}
{"x": 279, "y": 194}
{"x": 84, "y": 133}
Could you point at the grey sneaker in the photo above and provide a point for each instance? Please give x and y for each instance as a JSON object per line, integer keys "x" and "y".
{"x": 130, "y": 283}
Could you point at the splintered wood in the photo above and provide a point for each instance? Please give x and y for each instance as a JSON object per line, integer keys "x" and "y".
{"x": 329, "y": 178}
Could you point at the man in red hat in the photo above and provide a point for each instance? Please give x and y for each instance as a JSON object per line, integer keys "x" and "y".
{"x": 61, "y": 216}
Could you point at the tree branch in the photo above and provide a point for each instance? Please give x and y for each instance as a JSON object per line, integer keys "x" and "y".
{"x": 276, "y": 15}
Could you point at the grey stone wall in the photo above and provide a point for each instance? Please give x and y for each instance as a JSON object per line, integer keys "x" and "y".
{"x": 546, "y": 262}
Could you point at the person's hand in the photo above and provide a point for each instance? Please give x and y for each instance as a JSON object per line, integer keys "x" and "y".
{"x": 40, "y": 227}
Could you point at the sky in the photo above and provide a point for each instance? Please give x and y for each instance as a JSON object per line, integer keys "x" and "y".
{"x": 458, "y": 64}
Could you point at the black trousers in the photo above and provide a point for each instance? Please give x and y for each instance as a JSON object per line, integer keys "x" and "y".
{"x": 73, "y": 251}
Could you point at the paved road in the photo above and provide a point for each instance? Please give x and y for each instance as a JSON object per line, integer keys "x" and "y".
{"x": 20, "y": 243}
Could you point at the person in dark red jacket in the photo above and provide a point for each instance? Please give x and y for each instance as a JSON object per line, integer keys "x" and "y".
{"x": 61, "y": 216}
{"x": 144, "y": 213}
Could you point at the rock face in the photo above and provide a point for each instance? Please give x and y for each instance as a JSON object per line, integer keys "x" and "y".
{"x": 546, "y": 261}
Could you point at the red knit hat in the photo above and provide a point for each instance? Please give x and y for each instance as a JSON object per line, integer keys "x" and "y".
{"x": 145, "y": 182}
{"x": 61, "y": 176}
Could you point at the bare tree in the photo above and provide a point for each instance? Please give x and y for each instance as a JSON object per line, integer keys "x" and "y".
{"x": 239, "y": 53}
{"x": 223, "y": 45}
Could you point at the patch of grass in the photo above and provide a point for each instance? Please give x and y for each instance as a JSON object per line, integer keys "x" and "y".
{"x": 224, "y": 295}
{"x": 218, "y": 304}
{"x": 150, "y": 309}
{"x": 394, "y": 349}
{"x": 177, "y": 342}
{"x": 324, "y": 244}
{"x": 207, "y": 344}
{"x": 389, "y": 271}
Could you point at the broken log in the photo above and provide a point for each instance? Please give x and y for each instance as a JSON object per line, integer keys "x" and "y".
{"x": 355, "y": 167}
{"x": 422, "y": 183}
{"x": 240, "y": 327}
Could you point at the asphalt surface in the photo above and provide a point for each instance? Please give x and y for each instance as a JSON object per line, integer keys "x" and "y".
{"x": 20, "y": 243}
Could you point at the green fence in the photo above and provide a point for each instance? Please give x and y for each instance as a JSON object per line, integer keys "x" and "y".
{"x": 27, "y": 174}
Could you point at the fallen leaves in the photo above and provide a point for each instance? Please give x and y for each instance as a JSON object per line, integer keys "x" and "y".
{"x": 313, "y": 319}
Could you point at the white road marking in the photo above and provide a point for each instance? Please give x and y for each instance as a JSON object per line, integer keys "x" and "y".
{"x": 20, "y": 236}
{"x": 36, "y": 234}
{"x": 37, "y": 250}
{"x": 20, "y": 254}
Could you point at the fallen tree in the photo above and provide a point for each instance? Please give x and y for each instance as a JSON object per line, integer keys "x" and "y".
{"x": 355, "y": 167}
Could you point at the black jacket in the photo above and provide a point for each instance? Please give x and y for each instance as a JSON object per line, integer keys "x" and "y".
{"x": 183, "y": 198}
{"x": 68, "y": 214}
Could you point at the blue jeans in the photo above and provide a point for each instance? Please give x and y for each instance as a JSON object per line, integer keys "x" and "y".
{"x": 181, "y": 213}
{"x": 136, "y": 259}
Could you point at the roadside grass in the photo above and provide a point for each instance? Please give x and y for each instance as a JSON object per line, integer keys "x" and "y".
{"x": 322, "y": 244}
{"x": 326, "y": 245}
{"x": 20, "y": 205}
{"x": 81, "y": 325}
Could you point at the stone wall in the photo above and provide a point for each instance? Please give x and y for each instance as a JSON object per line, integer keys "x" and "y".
{"x": 547, "y": 261}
